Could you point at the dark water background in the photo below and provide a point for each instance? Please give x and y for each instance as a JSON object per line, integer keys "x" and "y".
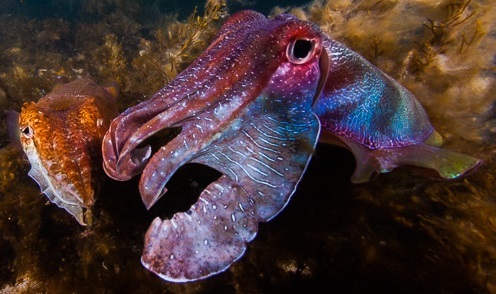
{"x": 332, "y": 237}
{"x": 73, "y": 10}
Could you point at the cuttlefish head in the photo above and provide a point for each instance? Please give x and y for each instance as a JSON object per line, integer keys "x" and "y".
{"x": 244, "y": 108}
{"x": 61, "y": 137}
{"x": 255, "y": 72}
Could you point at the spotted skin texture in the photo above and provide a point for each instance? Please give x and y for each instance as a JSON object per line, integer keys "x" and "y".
{"x": 233, "y": 222}
{"x": 250, "y": 107}
{"x": 61, "y": 136}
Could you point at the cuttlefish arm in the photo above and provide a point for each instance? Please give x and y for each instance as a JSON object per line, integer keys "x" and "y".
{"x": 243, "y": 108}
{"x": 206, "y": 239}
{"x": 379, "y": 120}
{"x": 262, "y": 163}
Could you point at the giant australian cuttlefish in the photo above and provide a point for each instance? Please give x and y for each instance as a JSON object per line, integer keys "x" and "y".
{"x": 253, "y": 106}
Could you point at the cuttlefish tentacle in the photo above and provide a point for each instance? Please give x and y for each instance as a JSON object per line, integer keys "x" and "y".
{"x": 197, "y": 83}
{"x": 265, "y": 153}
{"x": 194, "y": 135}
{"x": 183, "y": 98}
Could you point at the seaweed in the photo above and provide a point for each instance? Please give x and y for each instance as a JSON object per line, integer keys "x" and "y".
{"x": 114, "y": 62}
{"x": 460, "y": 20}
{"x": 175, "y": 46}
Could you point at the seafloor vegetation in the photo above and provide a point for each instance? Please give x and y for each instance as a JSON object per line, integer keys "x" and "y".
{"x": 402, "y": 232}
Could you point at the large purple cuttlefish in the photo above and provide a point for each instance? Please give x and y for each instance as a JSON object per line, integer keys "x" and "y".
{"x": 252, "y": 106}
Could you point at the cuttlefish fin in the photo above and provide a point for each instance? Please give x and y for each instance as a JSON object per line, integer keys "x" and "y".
{"x": 371, "y": 162}
{"x": 204, "y": 240}
{"x": 74, "y": 210}
{"x": 46, "y": 188}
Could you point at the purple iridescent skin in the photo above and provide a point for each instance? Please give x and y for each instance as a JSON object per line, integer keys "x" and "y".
{"x": 380, "y": 121}
{"x": 247, "y": 108}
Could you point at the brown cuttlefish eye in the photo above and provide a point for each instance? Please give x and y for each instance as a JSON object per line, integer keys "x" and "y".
{"x": 26, "y": 132}
{"x": 300, "y": 51}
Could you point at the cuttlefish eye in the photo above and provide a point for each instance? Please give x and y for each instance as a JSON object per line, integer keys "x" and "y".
{"x": 27, "y": 132}
{"x": 299, "y": 51}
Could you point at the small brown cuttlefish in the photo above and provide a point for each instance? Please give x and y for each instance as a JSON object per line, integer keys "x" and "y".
{"x": 61, "y": 135}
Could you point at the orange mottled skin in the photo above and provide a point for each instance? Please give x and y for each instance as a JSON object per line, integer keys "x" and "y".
{"x": 61, "y": 135}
